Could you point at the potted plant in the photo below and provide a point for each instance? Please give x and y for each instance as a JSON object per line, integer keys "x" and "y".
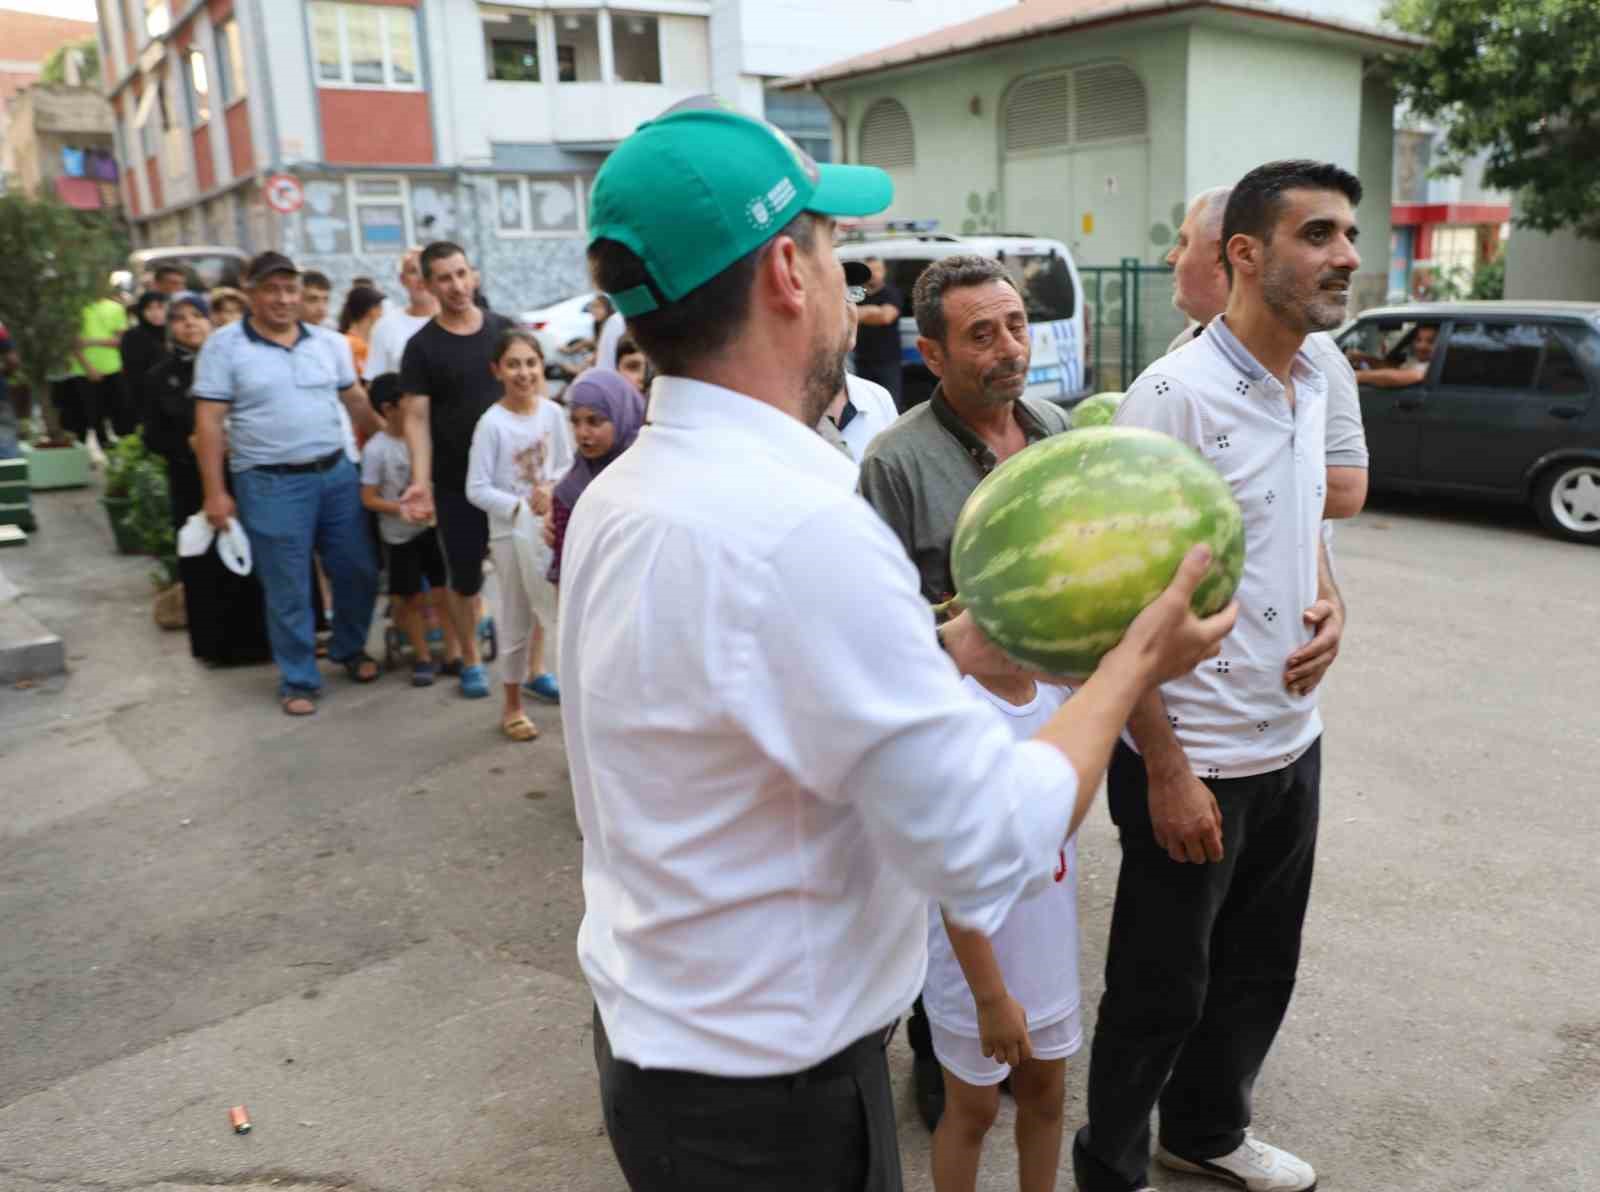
{"x": 122, "y": 466}
{"x": 57, "y": 261}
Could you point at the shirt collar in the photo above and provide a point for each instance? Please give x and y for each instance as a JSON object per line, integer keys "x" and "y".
{"x": 846, "y": 414}
{"x": 255, "y": 336}
{"x": 1238, "y": 356}
{"x": 1032, "y": 429}
{"x": 700, "y": 407}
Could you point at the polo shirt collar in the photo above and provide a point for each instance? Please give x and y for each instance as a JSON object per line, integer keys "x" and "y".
{"x": 255, "y": 336}
{"x": 1032, "y": 429}
{"x": 1238, "y": 356}
{"x": 699, "y": 407}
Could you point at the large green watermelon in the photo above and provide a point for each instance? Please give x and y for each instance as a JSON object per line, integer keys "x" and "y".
{"x": 1098, "y": 410}
{"x": 1062, "y": 546}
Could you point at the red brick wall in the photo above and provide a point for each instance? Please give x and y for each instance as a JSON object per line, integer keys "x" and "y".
{"x": 205, "y": 168}
{"x": 241, "y": 150}
{"x": 220, "y": 10}
{"x": 376, "y": 127}
{"x": 152, "y": 170}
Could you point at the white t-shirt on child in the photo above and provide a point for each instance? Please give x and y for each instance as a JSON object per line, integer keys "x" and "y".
{"x": 386, "y": 462}
{"x": 1037, "y": 945}
{"x": 511, "y": 453}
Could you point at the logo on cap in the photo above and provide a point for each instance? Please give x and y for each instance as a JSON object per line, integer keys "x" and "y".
{"x": 758, "y": 213}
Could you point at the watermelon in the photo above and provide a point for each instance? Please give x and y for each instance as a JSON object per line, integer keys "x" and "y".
{"x": 1061, "y": 547}
{"x": 1098, "y": 410}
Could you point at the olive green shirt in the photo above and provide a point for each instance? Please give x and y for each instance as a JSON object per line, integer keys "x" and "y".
{"x": 919, "y": 473}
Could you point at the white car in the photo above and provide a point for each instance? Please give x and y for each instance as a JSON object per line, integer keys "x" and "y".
{"x": 1044, "y": 272}
{"x": 560, "y": 324}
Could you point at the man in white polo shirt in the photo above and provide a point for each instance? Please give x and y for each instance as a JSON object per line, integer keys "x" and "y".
{"x": 770, "y": 784}
{"x": 1217, "y": 809}
{"x": 1200, "y": 290}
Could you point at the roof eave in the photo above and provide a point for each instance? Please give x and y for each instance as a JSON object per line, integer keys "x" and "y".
{"x": 1133, "y": 11}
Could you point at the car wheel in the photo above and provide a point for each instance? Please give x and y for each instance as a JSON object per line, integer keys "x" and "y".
{"x": 1567, "y": 500}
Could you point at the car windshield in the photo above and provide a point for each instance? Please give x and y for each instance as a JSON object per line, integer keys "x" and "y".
{"x": 205, "y": 271}
{"x": 1045, "y": 283}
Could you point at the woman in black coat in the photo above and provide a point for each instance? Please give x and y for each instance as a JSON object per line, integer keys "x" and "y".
{"x": 226, "y": 612}
{"x": 144, "y": 345}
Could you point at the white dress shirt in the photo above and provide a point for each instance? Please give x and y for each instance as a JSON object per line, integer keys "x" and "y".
{"x": 773, "y": 764}
{"x": 874, "y": 411}
{"x": 1233, "y": 715}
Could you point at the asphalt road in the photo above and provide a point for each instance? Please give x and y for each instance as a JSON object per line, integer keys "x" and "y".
{"x": 361, "y": 925}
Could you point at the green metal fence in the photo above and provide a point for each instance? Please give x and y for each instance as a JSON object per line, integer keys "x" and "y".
{"x": 1129, "y": 319}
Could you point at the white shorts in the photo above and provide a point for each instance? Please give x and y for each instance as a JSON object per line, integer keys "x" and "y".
{"x": 962, "y": 1055}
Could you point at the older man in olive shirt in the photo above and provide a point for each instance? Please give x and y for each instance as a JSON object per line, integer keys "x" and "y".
{"x": 973, "y": 334}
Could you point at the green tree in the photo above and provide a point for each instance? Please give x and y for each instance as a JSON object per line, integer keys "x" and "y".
{"x": 1520, "y": 79}
{"x": 57, "y": 261}
{"x": 54, "y": 69}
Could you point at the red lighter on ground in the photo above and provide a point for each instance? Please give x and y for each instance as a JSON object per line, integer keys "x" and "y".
{"x": 239, "y": 1119}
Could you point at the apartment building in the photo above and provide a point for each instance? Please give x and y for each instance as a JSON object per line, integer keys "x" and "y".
{"x": 404, "y": 121}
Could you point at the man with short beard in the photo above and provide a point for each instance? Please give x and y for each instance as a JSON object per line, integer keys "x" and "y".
{"x": 1200, "y": 290}
{"x": 973, "y": 334}
{"x": 773, "y": 765}
{"x": 1217, "y": 805}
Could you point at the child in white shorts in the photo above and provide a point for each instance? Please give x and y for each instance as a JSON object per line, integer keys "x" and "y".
{"x": 1007, "y": 1004}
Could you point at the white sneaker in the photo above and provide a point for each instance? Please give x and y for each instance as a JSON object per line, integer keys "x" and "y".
{"x": 1254, "y": 1166}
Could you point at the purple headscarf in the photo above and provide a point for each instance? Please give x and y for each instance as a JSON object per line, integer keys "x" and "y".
{"x": 614, "y": 398}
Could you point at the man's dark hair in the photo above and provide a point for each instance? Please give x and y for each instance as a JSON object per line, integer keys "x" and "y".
{"x": 439, "y": 250}
{"x": 313, "y": 280}
{"x": 678, "y": 335}
{"x": 168, "y": 269}
{"x": 1257, "y": 200}
{"x": 939, "y": 278}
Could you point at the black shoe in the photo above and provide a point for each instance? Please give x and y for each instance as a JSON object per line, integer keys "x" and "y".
{"x": 929, "y": 1080}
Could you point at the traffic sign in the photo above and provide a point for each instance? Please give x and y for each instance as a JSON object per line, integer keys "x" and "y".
{"x": 285, "y": 195}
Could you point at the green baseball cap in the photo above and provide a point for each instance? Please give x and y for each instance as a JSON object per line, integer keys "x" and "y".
{"x": 695, "y": 189}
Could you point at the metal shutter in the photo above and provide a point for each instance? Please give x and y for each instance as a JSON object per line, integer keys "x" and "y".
{"x": 886, "y": 138}
{"x": 1110, "y": 102}
{"x": 1036, "y": 114}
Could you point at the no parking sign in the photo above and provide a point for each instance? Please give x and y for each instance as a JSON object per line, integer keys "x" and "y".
{"x": 285, "y": 195}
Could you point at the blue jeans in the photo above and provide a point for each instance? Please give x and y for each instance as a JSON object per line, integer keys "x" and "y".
{"x": 286, "y": 515}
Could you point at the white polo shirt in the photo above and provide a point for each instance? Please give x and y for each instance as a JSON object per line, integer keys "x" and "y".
{"x": 1233, "y": 715}
{"x": 773, "y": 764}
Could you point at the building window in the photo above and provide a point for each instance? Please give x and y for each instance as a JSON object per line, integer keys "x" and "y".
{"x": 361, "y": 45}
{"x": 805, "y": 118}
{"x": 381, "y": 214}
{"x": 510, "y": 45}
{"x": 1455, "y": 251}
{"x": 577, "y": 48}
{"x": 198, "y": 90}
{"x": 157, "y": 18}
{"x": 538, "y": 206}
{"x": 1075, "y": 107}
{"x": 230, "y": 62}
{"x": 635, "y": 47}
{"x": 886, "y": 137}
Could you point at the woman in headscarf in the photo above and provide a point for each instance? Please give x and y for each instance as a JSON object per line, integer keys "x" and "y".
{"x": 226, "y": 612}
{"x": 607, "y": 414}
{"x": 144, "y": 345}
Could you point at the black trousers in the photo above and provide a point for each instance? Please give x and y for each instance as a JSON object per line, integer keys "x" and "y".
{"x": 1199, "y": 970}
{"x": 830, "y": 1129}
{"x": 886, "y": 373}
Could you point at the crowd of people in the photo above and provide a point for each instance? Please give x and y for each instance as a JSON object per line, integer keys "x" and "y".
{"x": 813, "y": 795}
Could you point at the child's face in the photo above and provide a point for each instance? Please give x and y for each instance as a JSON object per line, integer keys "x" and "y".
{"x": 593, "y": 432}
{"x": 632, "y": 366}
{"x": 520, "y": 370}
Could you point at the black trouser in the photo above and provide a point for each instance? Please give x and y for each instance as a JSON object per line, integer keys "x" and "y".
{"x": 101, "y": 406}
{"x": 886, "y": 373}
{"x": 1199, "y": 970}
{"x": 829, "y": 1129}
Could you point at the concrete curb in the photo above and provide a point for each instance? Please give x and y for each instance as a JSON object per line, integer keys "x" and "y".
{"x": 27, "y": 649}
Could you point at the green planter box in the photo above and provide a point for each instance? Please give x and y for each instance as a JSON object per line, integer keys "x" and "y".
{"x": 57, "y": 467}
{"x": 17, "y": 514}
{"x": 117, "y": 513}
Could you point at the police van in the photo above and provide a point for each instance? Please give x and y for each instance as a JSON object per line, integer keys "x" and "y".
{"x": 1045, "y": 275}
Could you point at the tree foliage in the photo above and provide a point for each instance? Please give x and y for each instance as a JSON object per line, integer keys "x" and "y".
{"x": 54, "y": 69}
{"x": 57, "y": 261}
{"x": 1520, "y": 79}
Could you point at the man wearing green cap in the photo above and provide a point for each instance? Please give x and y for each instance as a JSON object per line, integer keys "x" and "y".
{"x": 773, "y": 764}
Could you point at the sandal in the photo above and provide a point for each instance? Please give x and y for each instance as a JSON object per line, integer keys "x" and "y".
{"x": 520, "y": 728}
{"x": 298, "y": 703}
{"x": 353, "y": 666}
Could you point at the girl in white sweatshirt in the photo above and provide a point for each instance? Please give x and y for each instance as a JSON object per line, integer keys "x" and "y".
{"x": 520, "y": 448}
